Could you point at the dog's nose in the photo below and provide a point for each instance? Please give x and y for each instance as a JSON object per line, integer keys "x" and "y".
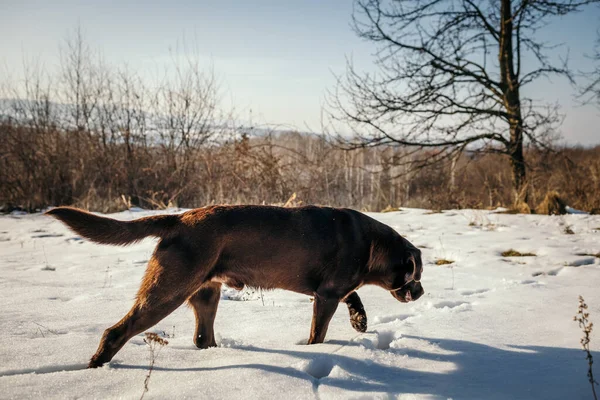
{"x": 420, "y": 293}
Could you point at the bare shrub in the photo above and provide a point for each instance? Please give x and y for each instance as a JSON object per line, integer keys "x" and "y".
{"x": 155, "y": 344}
{"x": 582, "y": 318}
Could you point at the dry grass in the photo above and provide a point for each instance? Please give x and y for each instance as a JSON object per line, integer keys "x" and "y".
{"x": 552, "y": 204}
{"x": 597, "y": 255}
{"x": 515, "y": 253}
{"x": 443, "y": 261}
{"x": 508, "y": 211}
{"x": 293, "y": 201}
{"x": 252, "y": 171}
{"x": 521, "y": 207}
{"x": 390, "y": 209}
{"x": 482, "y": 221}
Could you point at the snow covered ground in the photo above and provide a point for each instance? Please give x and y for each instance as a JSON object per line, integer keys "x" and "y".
{"x": 489, "y": 327}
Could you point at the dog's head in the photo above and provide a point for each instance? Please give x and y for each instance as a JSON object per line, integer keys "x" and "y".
{"x": 406, "y": 273}
{"x": 409, "y": 292}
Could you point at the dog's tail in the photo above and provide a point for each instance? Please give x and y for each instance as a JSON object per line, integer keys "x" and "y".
{"x": 110, "y": 231}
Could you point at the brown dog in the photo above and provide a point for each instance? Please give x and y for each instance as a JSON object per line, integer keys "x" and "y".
{"x": 323, "y": 252}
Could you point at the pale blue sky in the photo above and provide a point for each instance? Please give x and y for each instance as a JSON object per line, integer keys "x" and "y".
{"x": 274, "y": 57}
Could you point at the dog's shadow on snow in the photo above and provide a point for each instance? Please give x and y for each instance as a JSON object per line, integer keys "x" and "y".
{"x": 473, "y": 370}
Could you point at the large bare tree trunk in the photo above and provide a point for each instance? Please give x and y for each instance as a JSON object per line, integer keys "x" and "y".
{"x": 517, "y": 162}
{"x": 510, "y": 87}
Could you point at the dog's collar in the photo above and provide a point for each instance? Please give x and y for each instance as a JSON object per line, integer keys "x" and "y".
{"x": 402, "y": 287}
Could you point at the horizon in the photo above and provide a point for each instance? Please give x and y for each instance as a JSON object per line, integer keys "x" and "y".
{"x": 275, "y": 62}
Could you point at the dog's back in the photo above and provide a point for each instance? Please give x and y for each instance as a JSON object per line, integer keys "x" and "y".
{"x": 287, "y": 248}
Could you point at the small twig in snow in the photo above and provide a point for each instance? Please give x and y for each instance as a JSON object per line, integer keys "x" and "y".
{"x": 46, "y": 328}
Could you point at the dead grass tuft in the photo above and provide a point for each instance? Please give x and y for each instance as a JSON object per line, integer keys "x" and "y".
{"x": 509, "y": 211}
{"x": 293, "y": 201}
{"x": 443, "y": 261}
{"x": 434, "y": 212}
{"x": 597, "y": 255}
{"x": 390, "y": 209}
{"x": 481, "y": 220}
{"x": 552, "y": 204}
{"x": 521, "y": 207}
{"x": 515, "y": 253}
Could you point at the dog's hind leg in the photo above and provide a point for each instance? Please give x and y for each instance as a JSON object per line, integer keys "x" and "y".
{"x": 358, "y": 316}
{"x": 164, "y": 288}
{"x": 205, "y": 302}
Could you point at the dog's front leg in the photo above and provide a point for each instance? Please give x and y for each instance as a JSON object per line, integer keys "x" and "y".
{"x": 358, "y": 316}
{"x": 323, "y": 309}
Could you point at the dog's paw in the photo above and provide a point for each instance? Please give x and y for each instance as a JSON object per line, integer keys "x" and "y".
{"x": 204, "y": 342}
{"x": 359, "y": 321}
{"x": 95, "y": 363}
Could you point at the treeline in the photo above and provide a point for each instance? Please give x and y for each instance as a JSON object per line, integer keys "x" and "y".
{"x": 103, "y": 139}
{"x": 43, "y": 166}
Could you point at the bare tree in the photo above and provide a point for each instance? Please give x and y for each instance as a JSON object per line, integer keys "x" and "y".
{"x": 122, "y": 119}
{"x": 83, "y": 76}
{"x": 591, "y": 89}
{"x": 187, "y": 117}
{"x": 450, "y": 77}
{"x": 30, "y": 100}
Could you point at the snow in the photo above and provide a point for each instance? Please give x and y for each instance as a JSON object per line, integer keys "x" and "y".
{"x": 488, "y": 326}
{"x": 571, "y": 210}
